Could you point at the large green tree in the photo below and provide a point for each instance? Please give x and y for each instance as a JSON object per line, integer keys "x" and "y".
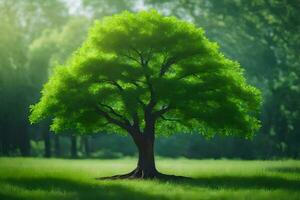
{"x": 263, "y": 36}
{"x": 144, "y": 74}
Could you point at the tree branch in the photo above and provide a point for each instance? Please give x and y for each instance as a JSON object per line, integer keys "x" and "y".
{"x": 112, "y": 120}
{"x": 169, "y": 119}
{"x": 166, "y": 65}
{"x": 112, "y": 111}
{"x": 114, "y": 83}
{"x": 148, "y": 114}
{"x": 162, "y": 111}
{"x": 187, "y": 75}
{"x": 131, "y": 58}
{"x": 136, "y": 121}
{"x": 130, "y": 129}
{"x": 144, "y": 64}
{"x": 142, "y": 103}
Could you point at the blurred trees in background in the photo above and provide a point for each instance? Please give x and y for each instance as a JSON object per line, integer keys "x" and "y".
{"x": 21, "y": 23}
{"x": 263, "y": 35}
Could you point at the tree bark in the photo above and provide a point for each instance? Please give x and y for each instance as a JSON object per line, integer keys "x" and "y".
{"x": 24, "y": 140}
{"x": 57, "y": 146}
{"x": 145, "y": 168}
{"x": 25, "y": 143}
{"x": 146, "y": 162}
{"x": 5, "y": 143}
{"x": 47, "y": 144}
{"x": 73, "y": 146}
{"x": 86, "y": 146}
{"x": 144, "y": 142}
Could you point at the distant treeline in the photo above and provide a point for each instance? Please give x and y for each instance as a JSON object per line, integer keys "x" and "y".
{"x": 262, "y": 35}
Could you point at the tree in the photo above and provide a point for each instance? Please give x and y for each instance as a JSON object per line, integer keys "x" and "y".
{"x": 275, "y": 26}
{"x": 74, "y": 146}
{"x": 21, "y": 23}
{"x": 263, "y": 36}
{"x": 145, "y": 74}
{"x": 47, "y": 142}
{"x": 13, "y": 84}
{"x": 54, "y": 46}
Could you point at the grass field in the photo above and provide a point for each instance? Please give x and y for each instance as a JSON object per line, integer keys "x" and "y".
{"x": 29, "y": 178}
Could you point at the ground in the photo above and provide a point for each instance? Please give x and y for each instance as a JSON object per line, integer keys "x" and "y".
{"x": 31, "y": 178}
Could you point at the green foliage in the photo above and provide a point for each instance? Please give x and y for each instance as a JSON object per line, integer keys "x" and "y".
{"x": 23, "y": 64}
{"x": 264, "y": 36}
{"x": 53, "y": 47}
{"x": 130, "y": 59}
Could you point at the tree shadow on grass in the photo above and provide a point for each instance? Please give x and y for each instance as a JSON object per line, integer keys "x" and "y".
{"x": 80, "y": 190}
{"x": 115, "y": 190}
{"x": 243, "y": 182}
{"x": 291, "y": 170}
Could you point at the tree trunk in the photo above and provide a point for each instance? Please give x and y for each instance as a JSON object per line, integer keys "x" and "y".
{"x": 146, "y": 162}
{"x": 25, "y": 144}
{"x": 145, "y": 168}
{"x": 4, "y": 146}
{"x": 73, "y": 146}
{"x": 57, "y": 146}
{"x": 86, "y": 146}
{"x": 47, "y": 144}
{"x": 24, "y": 141}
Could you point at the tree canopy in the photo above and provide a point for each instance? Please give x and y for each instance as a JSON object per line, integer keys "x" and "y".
{"x": 133, "y": 66}
{"x": 263, "y": 36}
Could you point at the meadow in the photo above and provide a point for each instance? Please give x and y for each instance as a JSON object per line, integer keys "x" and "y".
{"x": 37, "y": 178}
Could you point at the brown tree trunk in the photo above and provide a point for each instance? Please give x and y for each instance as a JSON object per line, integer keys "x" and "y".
{"x": 145, "y": 168}
{"x": 146, "y": 162}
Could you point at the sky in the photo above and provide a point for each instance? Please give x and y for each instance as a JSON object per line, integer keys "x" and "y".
{"x": 75, "y": 6}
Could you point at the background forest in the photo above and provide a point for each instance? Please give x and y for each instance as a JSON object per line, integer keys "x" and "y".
{"x": 263, "y": 35}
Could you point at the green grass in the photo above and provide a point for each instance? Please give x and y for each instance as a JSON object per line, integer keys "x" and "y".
{"x": 30, "y": 178}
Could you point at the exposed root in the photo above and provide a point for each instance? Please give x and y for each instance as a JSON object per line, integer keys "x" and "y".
{"x": 121, "y": 176}
{"x": 142, "y": 174}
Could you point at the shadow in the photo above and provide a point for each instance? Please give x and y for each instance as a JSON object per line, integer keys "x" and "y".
{"x": 81, "y": 190}
{"x": 114, "y": 190}
{"x": 240, "y": 182}
{"x": 293, "y": 170}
